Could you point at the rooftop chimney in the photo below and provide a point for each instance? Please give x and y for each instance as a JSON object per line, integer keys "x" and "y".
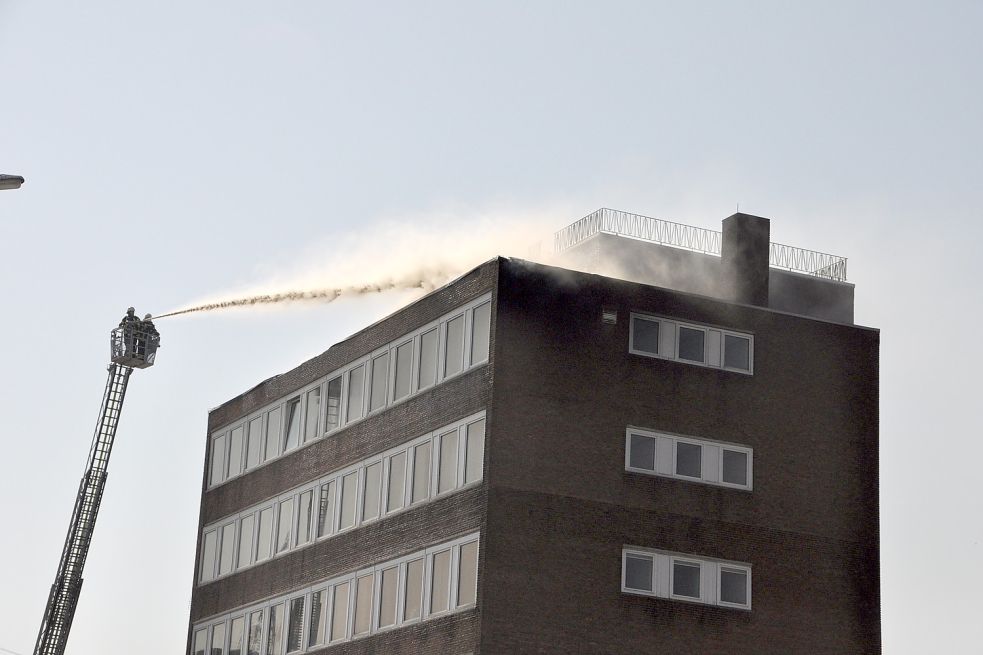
{"x": 744, "y": 259}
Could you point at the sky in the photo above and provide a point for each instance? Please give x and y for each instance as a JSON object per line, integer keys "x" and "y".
{"x": 181, "y": 151}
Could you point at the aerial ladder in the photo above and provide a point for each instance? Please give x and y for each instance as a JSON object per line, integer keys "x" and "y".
{"x": 132, "y": 345}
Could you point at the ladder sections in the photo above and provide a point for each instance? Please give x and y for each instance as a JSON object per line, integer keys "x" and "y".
{"x": 63, "y": 598}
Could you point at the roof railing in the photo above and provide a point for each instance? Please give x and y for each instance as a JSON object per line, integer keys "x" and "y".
{"x": 688, "y": 237}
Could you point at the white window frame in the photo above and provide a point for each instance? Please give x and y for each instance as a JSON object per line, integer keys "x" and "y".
{"x": 624, "y": 573}
{"x": 328, "y": 586}
{"x": 440, "y": 324}
{"x": 735, "y": 567}
{"x": 693, "y": 563}
{"x": 663, "y": 565}
{"x": 713, "y": 343}
{"x": 675, "y": 459}
{"x": 359, "y": 468}
{"x": 711, "y": 462}
{"x": 655, "y": 459}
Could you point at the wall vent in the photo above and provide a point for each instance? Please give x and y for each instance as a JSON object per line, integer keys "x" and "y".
{"x": 609, "y": 316}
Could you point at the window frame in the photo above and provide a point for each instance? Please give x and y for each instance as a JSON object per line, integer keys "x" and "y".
{"x": 711, "y": 333}
{"x": 329, "y": 586}
{"x": 693, "y": 563}
{"x": 711, "y": 475}
{"x": 711, "y": 569}
{"x": 624, "y": 574}
{"x": 466, "y": 311}
{"x": 675, "y": 458}
{"x": 735, "y": 567}
{"x": 430, "y": 440}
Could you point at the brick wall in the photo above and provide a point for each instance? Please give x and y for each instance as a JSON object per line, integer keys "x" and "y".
{"x": 561, "y": 505}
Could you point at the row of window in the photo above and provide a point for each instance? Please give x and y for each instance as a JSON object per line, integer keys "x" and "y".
{"x": 437, "y": 581}
{"x": 687, "y": 458}
{"x": 429, "y": 466}
{"x": 410, "y": 364}
{"x": 694, "y": 344}
{"x": 685, "y": 577}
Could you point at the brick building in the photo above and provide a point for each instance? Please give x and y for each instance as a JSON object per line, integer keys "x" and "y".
{"x": 682, "y": 458}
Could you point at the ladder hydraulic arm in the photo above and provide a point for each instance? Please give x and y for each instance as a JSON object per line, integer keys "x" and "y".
{"x": 134, "y": 345}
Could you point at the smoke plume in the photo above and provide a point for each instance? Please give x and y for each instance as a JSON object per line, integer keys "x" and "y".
{"x": 415, "y": 253}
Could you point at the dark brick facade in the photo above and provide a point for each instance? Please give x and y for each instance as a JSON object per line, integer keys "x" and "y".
{"x": 561, "y": 506}
{"x": 556, "y": 506}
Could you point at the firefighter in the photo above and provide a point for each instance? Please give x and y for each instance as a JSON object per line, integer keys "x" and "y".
{"x": 129, "y": 325}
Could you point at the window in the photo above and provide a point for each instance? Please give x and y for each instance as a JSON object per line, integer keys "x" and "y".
{"x": 397, "y": 482}
{"x": 421, "y": 472}
{"x": 700, "y": 345}
{"x": 389, "y": 583}
{"x": 411, "y": 364}
{"x": 440, "y": 581}
{"x": 376, "y": 598}
{"x": 404, "y": 370}
{"x": 692, "y": 344}
{"x": 218, "y": 460}
{"x": 332, "y": 416}
{"x": 356, "y": 389}
{"x": 475, "y": 453}
{"x": 304, "y": 516}
{"x": 319, "y": 616}
{"x": 201, "y": 638}
{"x": 208, "y": 557}
{"x": 227, "y": 552}
{"x": 313, "y": 414}
{"x": 235, "y": 454}
{"x": 325, "y": 510}
{"x": 687, "y": 458}
{"x": 273, "y": 433}
{"x": 638, "y": 572}
{"x": 414, "y": 590}
{"x": 363, "y": 492}
{"x": 265, "y": 542}
{"x": 218, "y": 639}
{"x": 254, "y": 450}
{"x": 454, "y": 349}
{"x": 292, "y": 439}
{"x": 734, "y": 586}
{"x": 467, "y": 575}
{"x": 373, "y": 492}
{"x": 236, "y": 633}
{"x": 644, "y": 335}
{"x": 734, "y": 467}
{"x": 349, "y": 500}
{"x": 255, "y": 636}
{"x": 447, "y": 473}
{"x": 428, "y": 359}
{"x": 685, "y": 577}
{"x": 641, "y": 452}
{"x": 245, "y": 541}
{"x": 295, "y": 627}
{"x": 363, "y": 605}
{"x": 480, "y": 333}
{"x": 285, "y": 525}
{"x": 737, "y": 352}
{"x": 380, "y": 382}
{"x": 274, "y": 631}
{"x": 339, "y": 612}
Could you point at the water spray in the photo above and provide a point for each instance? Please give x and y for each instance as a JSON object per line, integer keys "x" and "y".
{"x": 323, "y": 295}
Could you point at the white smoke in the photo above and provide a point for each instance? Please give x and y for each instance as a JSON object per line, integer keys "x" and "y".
{"x": 417, "y": 253}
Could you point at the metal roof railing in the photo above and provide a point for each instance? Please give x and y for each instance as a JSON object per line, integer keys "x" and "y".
{"x": 688, "y": 237}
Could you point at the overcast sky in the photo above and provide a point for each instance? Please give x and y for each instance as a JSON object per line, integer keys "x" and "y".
{"x": 178, "y": 150}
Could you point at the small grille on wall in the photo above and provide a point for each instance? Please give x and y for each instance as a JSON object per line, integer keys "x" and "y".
{"x": 609, "y": 316}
